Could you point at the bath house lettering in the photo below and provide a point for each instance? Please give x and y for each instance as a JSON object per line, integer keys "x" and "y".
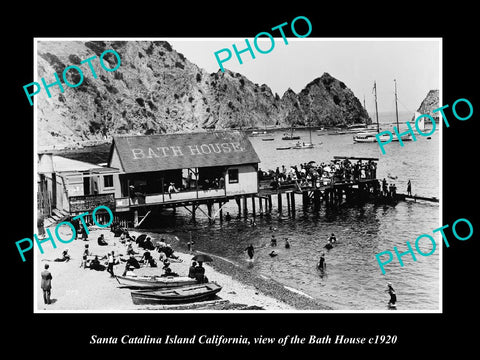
{"x": 197, "y": 149}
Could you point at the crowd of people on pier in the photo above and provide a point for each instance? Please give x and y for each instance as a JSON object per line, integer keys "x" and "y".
{"x": 312, "y": 174}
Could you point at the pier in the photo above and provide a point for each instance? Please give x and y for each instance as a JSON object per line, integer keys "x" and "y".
{"x": 201, "y": 172}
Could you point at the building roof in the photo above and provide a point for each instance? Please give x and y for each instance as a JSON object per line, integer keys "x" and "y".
{"x": 181, "y": 151}
{"x": 54, "y": 163}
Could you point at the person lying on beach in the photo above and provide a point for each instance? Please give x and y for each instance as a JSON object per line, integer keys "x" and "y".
{"x": 168, "y": 272}
{"x": 65, "y": 257}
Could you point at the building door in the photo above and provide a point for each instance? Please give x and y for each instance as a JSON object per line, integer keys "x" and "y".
{"x": 86, "y": 184}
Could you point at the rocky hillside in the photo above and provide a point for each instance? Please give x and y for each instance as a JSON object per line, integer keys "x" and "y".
{"x": 430, "y": 103}
{"x": 158, "y": 90}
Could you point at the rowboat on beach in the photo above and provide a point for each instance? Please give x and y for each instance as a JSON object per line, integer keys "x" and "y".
{"x": 154, "y": 282}
{"x": 185, "y": 294}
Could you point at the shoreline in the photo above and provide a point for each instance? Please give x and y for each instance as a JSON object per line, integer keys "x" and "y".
{"x": 78, "y": 289}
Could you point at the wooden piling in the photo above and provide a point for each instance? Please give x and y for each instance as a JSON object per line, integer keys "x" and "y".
{"x": 237, "y": 199}
{"x": 245, "y": 207}
{"x": 209, "y": 209}
{"x": 253, "y": 205}
{"x": 279, "y": 204}
{"x": 270, "y": 203}
{"x": 260, "y": 205}
{"x": 220, "y": 204}
{"x": 288, "y": 203}
{"x": 316, "y": 199}
{"x": 293, "y": 203}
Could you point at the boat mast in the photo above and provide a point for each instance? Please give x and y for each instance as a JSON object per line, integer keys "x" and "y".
{"x": 396, "y": 106}
{"x": 376, "y": 107}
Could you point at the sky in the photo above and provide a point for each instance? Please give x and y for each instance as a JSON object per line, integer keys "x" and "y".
{"x": 414, "y": 63}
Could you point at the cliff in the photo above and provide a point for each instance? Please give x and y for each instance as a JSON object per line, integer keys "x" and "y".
{"x": 430, "y": 103}
{"x": 158, "y": 90}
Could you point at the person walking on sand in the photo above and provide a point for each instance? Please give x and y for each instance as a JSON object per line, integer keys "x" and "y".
{"x": 46, "y": 284}
{"x": 111, "y": 262}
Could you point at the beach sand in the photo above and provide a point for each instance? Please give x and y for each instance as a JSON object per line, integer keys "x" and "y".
{"x": 78, "y": 289}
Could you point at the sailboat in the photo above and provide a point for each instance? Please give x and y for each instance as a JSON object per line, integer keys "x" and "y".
{"x": 290, "y": 137}
{"x": 408, "y": 137}
{"x": 370, "y": 137}
{"x": 304, "y": 145}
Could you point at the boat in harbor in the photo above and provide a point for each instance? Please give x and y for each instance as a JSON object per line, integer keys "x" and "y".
{"x": 284, "y": 148}
{"x": 299, "y": 146}
{"x": 154, "y": 282}
{"x": 268, "y": 139}
{"x": 369, "y": 136}
{"x": 291, "y": 136}
{"x": 185, "y": 294}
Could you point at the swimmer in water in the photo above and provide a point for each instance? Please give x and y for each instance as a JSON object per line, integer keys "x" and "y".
{"x": 287, "y": 244}
{"x": 393, "y": 295}
{"x": 273, "y": 241}
{"x": 250, "y": 251}
{"x": 321, "y": 263}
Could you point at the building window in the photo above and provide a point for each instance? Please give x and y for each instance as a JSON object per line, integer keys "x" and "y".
{"x": 107, "y": 181}
{"x": 233, "y": 176}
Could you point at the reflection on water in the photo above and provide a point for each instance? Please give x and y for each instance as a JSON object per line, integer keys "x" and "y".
{"x": 352, "y": 279}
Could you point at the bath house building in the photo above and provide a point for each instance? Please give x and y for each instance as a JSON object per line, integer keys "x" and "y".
{"x": 182, "y": 169}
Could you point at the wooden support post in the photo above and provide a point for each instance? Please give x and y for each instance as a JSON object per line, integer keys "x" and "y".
{"x": 288, "y": 203}
{"x": 270, "y": 203}
{"x": 279, "y": 196}
{"x": 193, "y": 213}
{"x": 245, "y": 207}
{"x": 260, "y": 205}
{"x": 220, "y": 204}
{"x": 305, "y": 198}
{"x": 316, "y": 199}
{"x": 135, "y": 217}
{"x": 209, "y": 210}
{"x": 293, "y": 203}
{"x": 253, "y": 205}
{"x": 237, "y": 199}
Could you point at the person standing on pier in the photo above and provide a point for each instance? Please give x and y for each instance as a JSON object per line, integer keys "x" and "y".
{"x": 384, "y": 187}
{"x": 409, "y": 188}
{"x": 46, "y": 284}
